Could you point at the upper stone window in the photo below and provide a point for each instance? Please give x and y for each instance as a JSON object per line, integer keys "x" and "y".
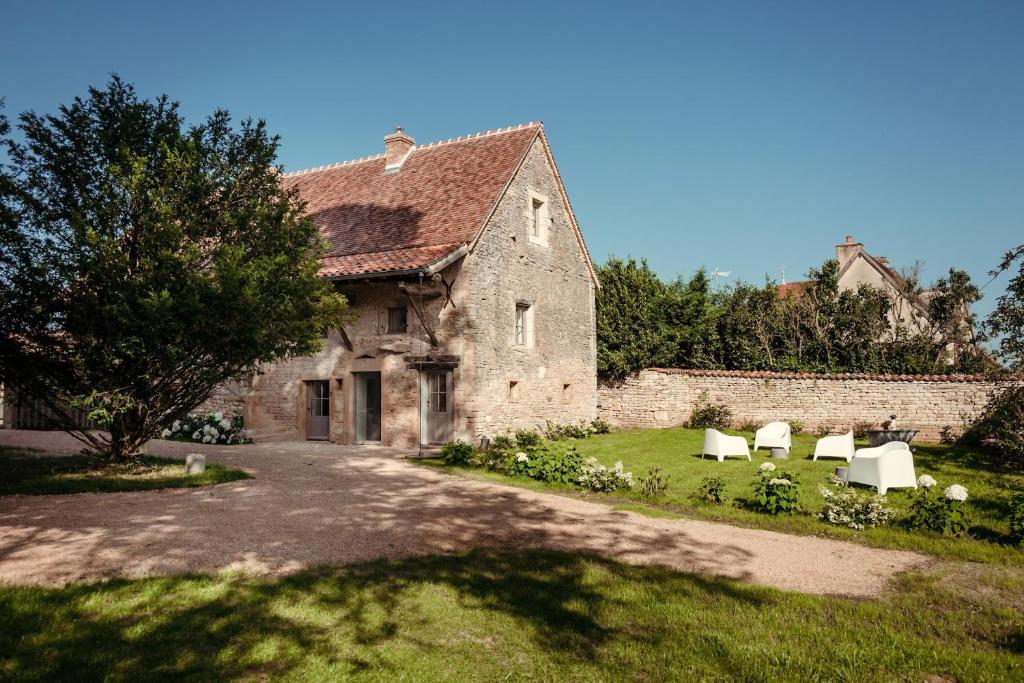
{"x": 522, "y": 334}
{"x": 538, "y": 220}
{"x": 398, "y": 320}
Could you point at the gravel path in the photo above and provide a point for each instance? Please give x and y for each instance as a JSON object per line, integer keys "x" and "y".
{"x": 316, "y": 503}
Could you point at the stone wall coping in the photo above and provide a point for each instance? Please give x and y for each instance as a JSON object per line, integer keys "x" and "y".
{"x": 837, "y": 376}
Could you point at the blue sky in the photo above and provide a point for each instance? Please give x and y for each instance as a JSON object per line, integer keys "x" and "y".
{"x": 743, "y": 136}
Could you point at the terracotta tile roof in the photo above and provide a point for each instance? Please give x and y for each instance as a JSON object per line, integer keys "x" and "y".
{"x": 439, "y": 200}
{"x": 793, "y": 289}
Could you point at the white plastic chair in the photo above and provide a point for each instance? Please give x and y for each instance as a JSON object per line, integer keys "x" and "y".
{"x": 885, "y": 467}
{"x": 774, "y": 435}
{"x": 835, "y": 447}
{"x": 721, "y": 445}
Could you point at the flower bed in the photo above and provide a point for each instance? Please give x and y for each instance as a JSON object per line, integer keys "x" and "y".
{"x": 211, "y": 428}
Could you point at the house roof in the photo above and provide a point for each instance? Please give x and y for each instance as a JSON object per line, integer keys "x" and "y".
{"x": 796, "y": 289}
{"x": 379, "y": 223}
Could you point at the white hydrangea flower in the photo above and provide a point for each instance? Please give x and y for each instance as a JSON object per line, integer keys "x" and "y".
{"x": 768, "y": 467}
{"x": 225, "y": 425}
{"x": 207, "y": 439}
{"x": 218, "y": 416}
{"x": 926, "y": 481}
{"x": 522, "y": 457}
{"x": 176, "y": 426}
{"x": 165, "y": 433}
{"x": 214, "y": 433}
{"x": 196, "y": 435}
{"x": 956, "y": 492}
{"x": 780, "y": 482}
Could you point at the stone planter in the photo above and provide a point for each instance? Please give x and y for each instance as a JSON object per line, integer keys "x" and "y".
{"x": 195, "y": 463}
{"x": 842, "y": 473}
{"x": 877, "y": 437}
{"x": 780, "y": 453}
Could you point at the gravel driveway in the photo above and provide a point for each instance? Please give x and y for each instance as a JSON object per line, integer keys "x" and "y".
{"x": 316, "y": 503}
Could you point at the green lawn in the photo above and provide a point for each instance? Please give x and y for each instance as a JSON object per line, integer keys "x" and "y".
{"x": 496, "y": 617}
{"x": 40, "y": 475}
{"x": 677, "y": 452}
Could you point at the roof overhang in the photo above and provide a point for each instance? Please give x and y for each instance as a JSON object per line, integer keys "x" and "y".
{"x": 423, "y": 271}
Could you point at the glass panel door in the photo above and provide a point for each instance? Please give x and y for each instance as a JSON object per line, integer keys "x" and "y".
{"x": 368, "y": 407}
{"x": 318, "y": 409}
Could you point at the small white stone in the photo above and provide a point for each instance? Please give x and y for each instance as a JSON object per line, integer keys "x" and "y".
{"x": 195, "y": 463}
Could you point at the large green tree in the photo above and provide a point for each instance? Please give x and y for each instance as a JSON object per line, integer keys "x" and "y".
{"x": 1005, "y": 324}
{"x": 143, "y": 262}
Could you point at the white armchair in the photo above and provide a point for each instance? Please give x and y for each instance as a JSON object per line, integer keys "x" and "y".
{"x": 774, "y": 435}
{"x": 888, "y": 466}
{"x": 721, "y": 445}
{"x": 835, "y": 447}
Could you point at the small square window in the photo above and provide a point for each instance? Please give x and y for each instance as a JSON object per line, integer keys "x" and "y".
{"x": 522, "y": 336}
{"x": 397, "y": 320}
{"x": 513, "y": 390}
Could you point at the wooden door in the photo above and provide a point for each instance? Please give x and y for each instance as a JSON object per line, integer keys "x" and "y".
{"x": 318, "y": 410}
{"x": 436, "y": 406}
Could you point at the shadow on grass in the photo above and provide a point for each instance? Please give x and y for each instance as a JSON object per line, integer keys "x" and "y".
{"x": 347, "y": 620}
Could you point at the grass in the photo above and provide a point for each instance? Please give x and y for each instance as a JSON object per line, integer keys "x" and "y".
{"x": 677, "y": 452}
{"x": 503, "y": 616}
{"x": 41, "y": 475}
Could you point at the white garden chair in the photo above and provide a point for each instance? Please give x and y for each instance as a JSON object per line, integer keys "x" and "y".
{"x": 840, "y": 446}
{"x": 722, "y": 445}
{"x": 774, "y": 435}
{"x": 885, "y": 467}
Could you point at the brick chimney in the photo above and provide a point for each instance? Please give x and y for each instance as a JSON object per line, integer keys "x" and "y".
{"x": 848, "y": 251}
{"x": 396, "y": 148}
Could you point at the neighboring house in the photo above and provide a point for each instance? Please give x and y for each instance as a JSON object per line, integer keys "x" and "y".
{"x": 472, "y": 296}
{"x": 857, "y": 267}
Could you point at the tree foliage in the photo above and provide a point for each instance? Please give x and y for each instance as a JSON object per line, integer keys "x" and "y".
{"x": 1006, "y": 323}
{"x": 144, "y": 262}
{"x": 645, "y": 322}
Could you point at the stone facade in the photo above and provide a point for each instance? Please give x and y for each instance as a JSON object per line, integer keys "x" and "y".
{"x": 664, "y": 398}
{"x": 554, "y": 374}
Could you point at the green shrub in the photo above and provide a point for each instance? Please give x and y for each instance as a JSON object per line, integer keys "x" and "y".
{"x": 796, "y": 426}
{"x": 948, "y": 435}
{"x": 850, "y": 508}
{"x": 456, "y": 453}
{"x": 503, "y": 442}
{"x": 711, "y": 490}
{"x": 747, "y": 426}
{"x": 943, "y": 513}
{"x": 1000, "y": 429}
{"x": 528, "y": 438}
{"x": 860, "y": 429}
{"x": 601, "y": 427}
{"x": 654, "y": 483}
{"x": 776, "y": 492}
{"x": 207, "y": 428}
{"x": 1017, "y": 519}
{"x": 552, "y": 463}
{"x": 557, "y": 432}
{"x": 596, "y": 477}
{"x": 707, "y": 415}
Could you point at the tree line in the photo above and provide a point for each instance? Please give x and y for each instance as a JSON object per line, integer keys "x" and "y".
{"x": 644, "y": 321}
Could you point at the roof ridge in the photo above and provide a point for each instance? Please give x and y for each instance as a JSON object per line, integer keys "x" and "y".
{"x": 429, "y": 145}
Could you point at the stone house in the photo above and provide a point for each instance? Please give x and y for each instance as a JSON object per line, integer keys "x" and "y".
{"x": 472, "y": 295}
{"x": 858, "y": 267}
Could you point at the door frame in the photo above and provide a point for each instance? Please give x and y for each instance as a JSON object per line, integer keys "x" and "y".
{"x": 424, "y": 436}
{"x": 309, "y": 383}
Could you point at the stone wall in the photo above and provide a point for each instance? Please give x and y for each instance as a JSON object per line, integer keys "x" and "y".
{"x": 664, "y": 398}
{"x": 555, "y": 374}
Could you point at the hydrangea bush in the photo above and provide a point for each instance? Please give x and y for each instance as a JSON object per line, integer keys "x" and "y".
{"x": 775, "y": 492}
{"x": 210, "y": 428}
{"x": 850, "y": 508}
{"x": 944, "y": 513}
{"x": 597, "y": 477}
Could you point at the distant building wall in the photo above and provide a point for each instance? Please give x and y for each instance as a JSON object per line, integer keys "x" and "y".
{"x": 666, "y": 397}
